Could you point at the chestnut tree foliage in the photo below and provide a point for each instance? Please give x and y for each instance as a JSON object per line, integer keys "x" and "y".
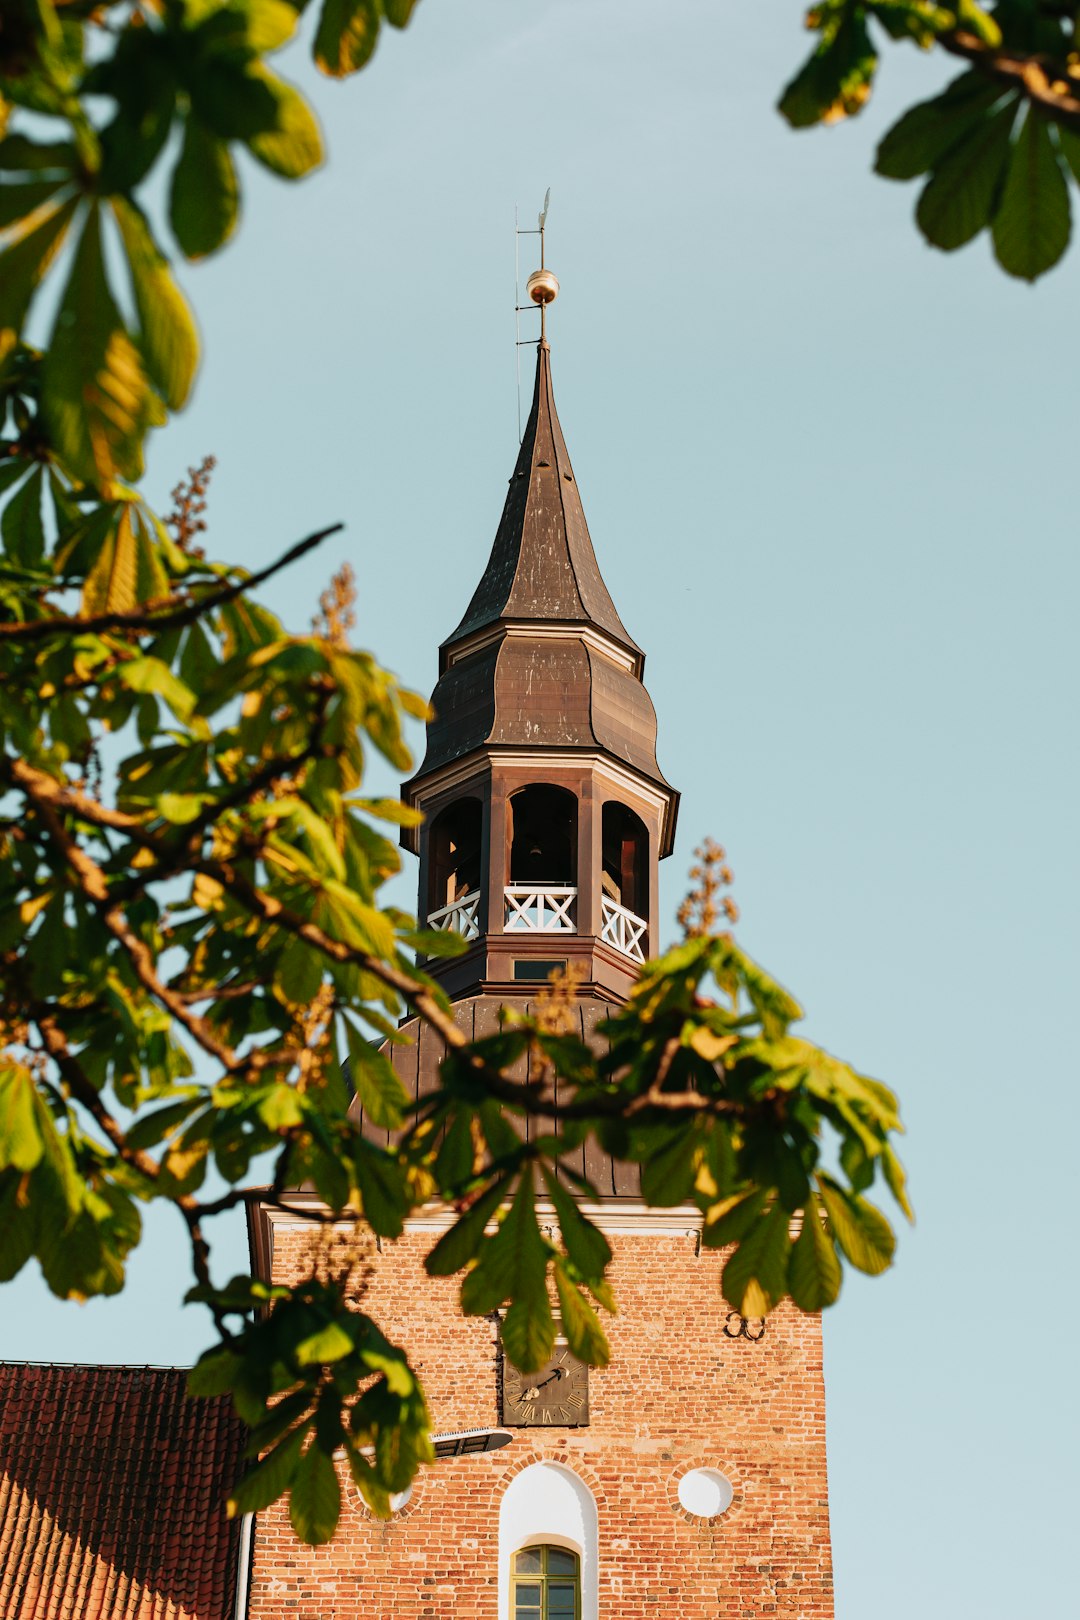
{"x": 193, "y": 930}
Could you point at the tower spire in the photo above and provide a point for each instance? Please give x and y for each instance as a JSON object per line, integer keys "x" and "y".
{"x": 545, "y": 809}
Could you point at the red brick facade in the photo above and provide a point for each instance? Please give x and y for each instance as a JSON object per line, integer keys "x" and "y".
{"x": 680, "y": 1393}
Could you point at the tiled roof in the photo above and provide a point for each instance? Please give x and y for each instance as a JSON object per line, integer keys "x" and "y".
{"x": 112, "y": 1492}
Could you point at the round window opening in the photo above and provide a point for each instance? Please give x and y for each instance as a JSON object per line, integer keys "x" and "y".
{"x": 705, "y": 1492}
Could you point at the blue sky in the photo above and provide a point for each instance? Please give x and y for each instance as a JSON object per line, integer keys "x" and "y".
{"x": 828, "y": 475}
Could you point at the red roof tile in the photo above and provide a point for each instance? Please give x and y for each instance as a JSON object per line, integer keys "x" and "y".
{"x": 112, "y": 1492}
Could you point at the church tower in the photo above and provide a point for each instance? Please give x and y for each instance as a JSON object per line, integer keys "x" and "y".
{"x": 687, "y": 1480}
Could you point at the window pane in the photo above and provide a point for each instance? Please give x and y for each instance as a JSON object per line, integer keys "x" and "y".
{"x": 527, "y": 1561}
{"x": 561, "y": 1562}
{"x": 561, "y": 1598}
{"x": 523, "y": 1613}
{"x": 527, "y": 1595}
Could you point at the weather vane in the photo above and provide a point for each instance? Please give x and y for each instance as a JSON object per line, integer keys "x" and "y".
{"x": 542, "y": 288}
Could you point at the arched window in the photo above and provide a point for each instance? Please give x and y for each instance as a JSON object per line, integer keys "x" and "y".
{"x": 546, "y": 1584}
{"x": 543, "y": 839}
{"x": 454, "y": 852}
{"x": 624, "y": 881}
{"x": 454, "y": 846}
{"x": 548, "y": 1546}
{"x": 626, "y": 858}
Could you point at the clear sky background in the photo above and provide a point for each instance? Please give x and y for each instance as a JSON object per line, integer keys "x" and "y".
{"x": 830, "y": 478}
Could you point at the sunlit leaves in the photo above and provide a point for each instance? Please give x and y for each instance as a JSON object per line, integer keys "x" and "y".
{"x": 169, "y": 341}
{"x": 96, "y": 397}
{"x": 292, "y": 146}
{"x": 25, "y": 258}
{"x": 288, "y": 1374}
{"x": 836, "y": 80}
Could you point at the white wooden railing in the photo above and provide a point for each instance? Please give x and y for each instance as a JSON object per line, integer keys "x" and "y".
{"x": 458, "y": 918}
{"x": 542, "y": 908}
{"x": 622, "y": 929}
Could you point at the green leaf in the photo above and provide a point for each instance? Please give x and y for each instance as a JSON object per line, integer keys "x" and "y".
{"x": 1032, "y": 224}
{"x": 281, "y": 1109}
{"x": 512, "y": 1265}
{"x": 896, "y": 1180}
{"x": 667, "y": 1175}
{"x": 731, "y": 1219}
{"x": 958, "y": 200}
{"x": 111, "y": 584}
{"x": 17, "y": 1225}
{"x": 299, "y": 972}
{"x": 926, "y": 133}
{"x": 20, "y": 155}
{"x": 150, "y": 1129}
{"x": 18, "y": 201}
{"x": 269, "y": 1479}
{"x": 22, "y": 527}
{"x": 861, "y": 1230}
{"x": 398, "y": 12}
{"x": 382, "y": 1189}
{"x": 294, "y": 146}
{"x": 835, "y": 82}
{"x": 580, "y": 1323}
{"x": 586, "y": 1245}
{"x": 814, "y": 1271}
{"x": 23, "y": 263}
{"x": 94, "y": 391}
{"x": 382, "y": 1095}
{"x": 457, "y": 1246}
{"x": 21, "y": 1144}
{"x": 755, "y": 1277}
{"x": 204, "y": 200}
{"x": 153, "y": 675}
{"x": 346, "y": 37}
{"x": 170, "y": 343}
{"x": 215, "y": 1371}
{"x": 315, "y": 1498}
{"x": 528, "y": 1329}
{"x": 330, "y": 1343}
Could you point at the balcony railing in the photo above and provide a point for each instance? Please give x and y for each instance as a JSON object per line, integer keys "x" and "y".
{"x": 458, "y": 918}
{"x": 620, "y": 927}
{"x": 540, "y": 908}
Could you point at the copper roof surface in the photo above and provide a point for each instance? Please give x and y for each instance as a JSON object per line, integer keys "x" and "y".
{"x": 542, "y": 564}
{"x": 112, "y": 1496}
{"x": 417, "y": 1066}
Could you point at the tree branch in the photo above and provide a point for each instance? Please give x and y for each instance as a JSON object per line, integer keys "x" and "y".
{"x": 44, "y": 792}
{"x": 173, "y": 616}
{"x": 1047, "y": 83}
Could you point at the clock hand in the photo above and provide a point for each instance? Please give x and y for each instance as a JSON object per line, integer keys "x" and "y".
{"x": 534, "y": 1389}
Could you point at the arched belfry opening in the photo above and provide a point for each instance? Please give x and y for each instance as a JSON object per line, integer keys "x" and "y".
{"x": 543, "y": 842}
{"x": 624, "y": 880}
{"x": 455, "y": 850}
{"x": 541, "y": 893}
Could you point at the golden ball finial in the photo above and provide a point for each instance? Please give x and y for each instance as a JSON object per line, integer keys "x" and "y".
{"x": 542, "y": 287}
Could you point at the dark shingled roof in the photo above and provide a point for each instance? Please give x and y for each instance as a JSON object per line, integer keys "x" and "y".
{"x": 417, "y": 1065}
{"x": 112, "y": 1496}
{"x": 542, "y": 564}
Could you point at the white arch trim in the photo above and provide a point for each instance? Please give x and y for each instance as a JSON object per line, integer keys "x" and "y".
{"x": 547, "y": 1502}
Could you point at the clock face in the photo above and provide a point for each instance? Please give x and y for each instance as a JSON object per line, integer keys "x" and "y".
{"x": 557, "y": 1396}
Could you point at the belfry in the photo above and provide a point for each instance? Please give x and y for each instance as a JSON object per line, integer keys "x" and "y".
{"x": 687, "y": 1480}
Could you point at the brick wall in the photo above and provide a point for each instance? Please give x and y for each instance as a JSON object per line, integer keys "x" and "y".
{"x": 679, "y": 1394}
